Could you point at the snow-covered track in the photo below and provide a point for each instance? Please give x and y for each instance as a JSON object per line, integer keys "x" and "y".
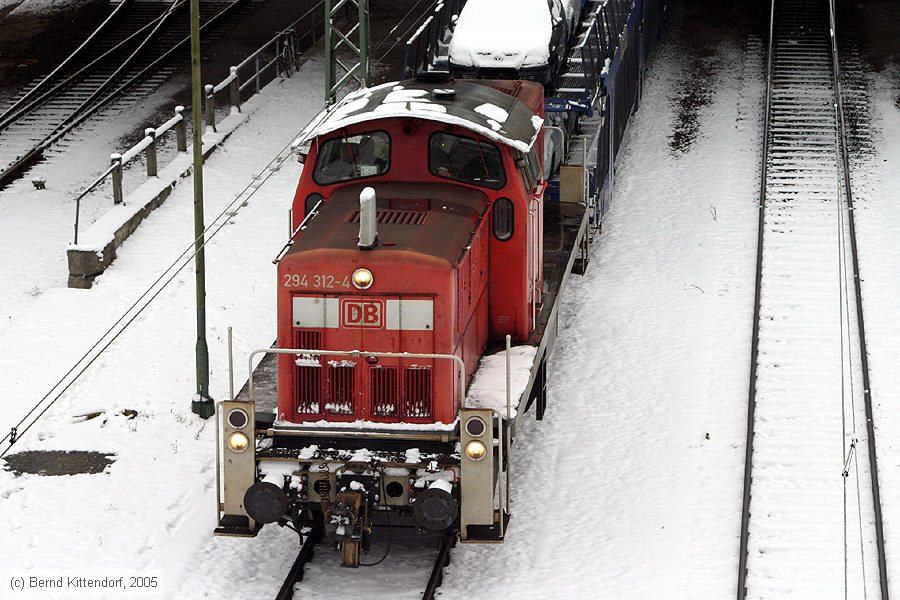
{"x": 442, "y": 560}
{"x": 286, "y": 592}
{"x": 436, "y": 576}
{"x": 811, "y": 521}
{"x": 130, "y": 54}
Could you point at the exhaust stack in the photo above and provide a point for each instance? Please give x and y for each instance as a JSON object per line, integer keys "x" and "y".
{"x": 368, "y": 220}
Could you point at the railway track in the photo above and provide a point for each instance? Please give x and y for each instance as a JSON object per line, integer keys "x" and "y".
{"x": 305, "y": 554}
{"x": 131, "y": 53}
{"x": 811, "y": 524}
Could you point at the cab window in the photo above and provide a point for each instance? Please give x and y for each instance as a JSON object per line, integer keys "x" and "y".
{"x": 355, "y": 157}
{"x": 530, "y": 169}
{"x": 466, "y": 159}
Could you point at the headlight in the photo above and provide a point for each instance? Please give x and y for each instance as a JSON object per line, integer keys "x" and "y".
{"x": 475, "y": 450}
{"x": 362, "y": 279}
{"x": 238, "y": 442}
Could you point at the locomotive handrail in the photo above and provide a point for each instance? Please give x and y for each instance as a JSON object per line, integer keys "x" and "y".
{"x": 294, "y": 233}
{"x": 359, "y": 354}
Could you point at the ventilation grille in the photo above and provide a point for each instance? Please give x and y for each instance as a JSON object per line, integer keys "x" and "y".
{"x": 384, "y": 387}
{"x": 340, "y": 389}
{"x": 396, "y": 217}
{"x": 417, "y": 392}
{"x": 308, "y": 383}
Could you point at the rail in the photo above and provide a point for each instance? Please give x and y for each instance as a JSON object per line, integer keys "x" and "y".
{"x": 295, "y": 574}
{"x": 442, "y": 560}
{"x": 844, "y": 168}
{"x": 754, "y": 343}
{"x": 78, "y": 119}
{"x": 863, "y": 353}
{"x": 280, "y": 55}
{"x": 9, "y": 113}
{"x": 175, "y": 5}
{"x": 22, "y": 107}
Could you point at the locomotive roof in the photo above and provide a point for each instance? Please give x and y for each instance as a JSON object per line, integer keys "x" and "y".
{"x": 502, "y": 117}
{"x": 431, "y": 219}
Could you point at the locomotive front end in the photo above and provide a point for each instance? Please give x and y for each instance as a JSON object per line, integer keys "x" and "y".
{"x": 409, "y": 191}
{"x": 382, "y": 318}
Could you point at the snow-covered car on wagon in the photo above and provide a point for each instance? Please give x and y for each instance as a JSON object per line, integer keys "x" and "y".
{"x": 519, "y": 39}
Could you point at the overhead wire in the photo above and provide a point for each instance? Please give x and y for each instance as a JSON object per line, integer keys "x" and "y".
{"x": 187, "y": 255}
{"x": 16, "y": 432}
{"x": 846, "y": 350}
{"x": 185, "y": 258}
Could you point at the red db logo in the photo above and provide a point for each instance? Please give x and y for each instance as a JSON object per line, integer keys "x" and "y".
{"x": 362, "y": 313}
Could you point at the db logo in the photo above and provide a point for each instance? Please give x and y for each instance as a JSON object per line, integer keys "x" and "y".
{"x": 362, "y": 313}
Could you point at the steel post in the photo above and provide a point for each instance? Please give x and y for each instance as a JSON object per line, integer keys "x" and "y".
{"x": 210, "y": 101}
{"x": 364, "y": 76}
{"x": 116, "y": 160}
{"x": 181, "y": 130}
{"x": 234, "y": 89}
{"x": 202, "y": 404}
{"x": 329, "y": 54}
{"x": 151, "y": 152}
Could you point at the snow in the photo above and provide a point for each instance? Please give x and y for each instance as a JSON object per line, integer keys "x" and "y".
{"x": 27, "y": 7}
{"x": 363, "y": 424}
{"x": 441, "y": 484}
{"x": 572, "y": 9}
{"x": 161, "y": 488}
{"x": 275, "y": 471}
{"x": 630, "y": 487}
{"x": 395, "y": 100}
{"x": 510, "y": 34}
{"x": 488, "y": 387}
{"x": 635, "y": 472}
{"x": 876, "y": 187}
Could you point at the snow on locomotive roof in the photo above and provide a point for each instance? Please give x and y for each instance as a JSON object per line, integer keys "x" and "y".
{"x": 475, "y": 106}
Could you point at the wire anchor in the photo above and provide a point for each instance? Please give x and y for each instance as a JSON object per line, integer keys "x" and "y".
{"x": 846, "y": 472}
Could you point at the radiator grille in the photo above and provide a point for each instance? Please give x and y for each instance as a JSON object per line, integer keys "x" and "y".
{"x": 417, "y": 392}
{"x": 308, "y": 380}
{"x": 384, "y": 388}
{"x": 396, "y": 217}
{"x": 340, "y": 389}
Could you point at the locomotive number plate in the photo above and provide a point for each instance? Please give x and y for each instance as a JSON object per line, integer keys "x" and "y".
{"x": 323, "y": 282}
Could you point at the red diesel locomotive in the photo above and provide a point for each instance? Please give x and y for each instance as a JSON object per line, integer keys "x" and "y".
{"x": 418, "y": 244}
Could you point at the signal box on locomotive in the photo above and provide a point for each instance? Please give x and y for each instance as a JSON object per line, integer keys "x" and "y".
{"x": 419, "y": 244}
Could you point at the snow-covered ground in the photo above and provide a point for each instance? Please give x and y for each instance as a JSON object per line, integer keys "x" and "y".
{"x": 630, "y": 488}
{"x": 155, "y": 508}
{"x": 34, "y": 6}
{"x": 876, "y": 186}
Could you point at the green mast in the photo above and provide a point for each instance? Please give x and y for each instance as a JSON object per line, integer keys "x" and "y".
{"x": 353, "y": 39}
{"x": 203, "y": 405}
